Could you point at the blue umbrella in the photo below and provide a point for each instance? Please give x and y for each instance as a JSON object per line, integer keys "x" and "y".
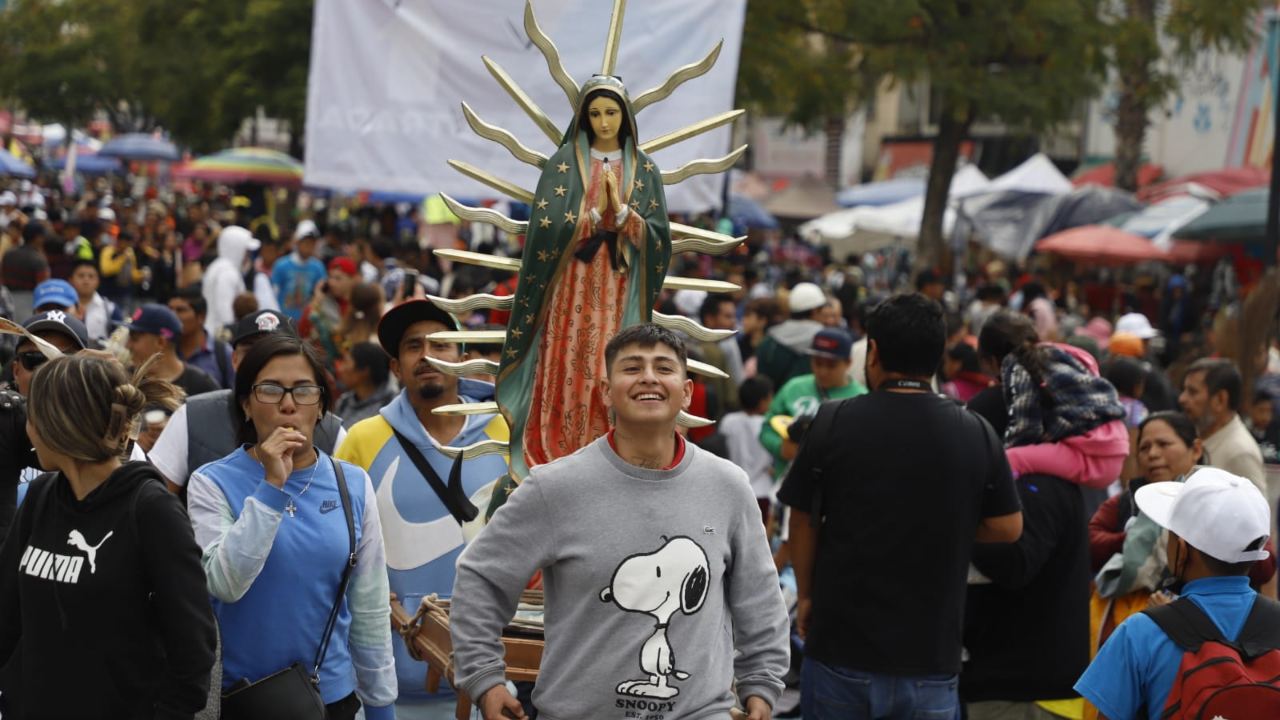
{"x": 885, "y": 192}
{"x": 140, "y": 146}
{"x": 747, "y": 213}
{"x": 91, "y": 165}
{"x": 11, "y": 165}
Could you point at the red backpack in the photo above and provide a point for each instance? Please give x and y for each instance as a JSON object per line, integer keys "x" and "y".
{"x": 1219, "y": 679}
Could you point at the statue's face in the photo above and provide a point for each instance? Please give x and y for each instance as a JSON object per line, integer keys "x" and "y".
{"x": 606, "y": 117}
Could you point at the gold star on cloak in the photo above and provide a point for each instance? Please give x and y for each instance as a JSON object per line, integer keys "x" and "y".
{"x": 528, "y": 319}
{"x": 639, "y": 184}
{"x": 648, "y": 167}
{"x": 516, "y": 333}
{"x": 544, "y": 222}
{"x": 659, "y": 267}
{"x": 570, "y": 217}
{"x": 563, "y": 167}
{"x": 543, "y": 256}
{"x": 560, "y": 190}
{"x": 653, "y": 204}
{"x": 511, "y": 353}
{"x": 542, "y": 203}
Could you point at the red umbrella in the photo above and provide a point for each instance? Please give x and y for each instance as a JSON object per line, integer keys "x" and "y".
{"x": 1101, "y": 244}
{"x": 1222, "y": 183}
{"x": 1105, "y": 175}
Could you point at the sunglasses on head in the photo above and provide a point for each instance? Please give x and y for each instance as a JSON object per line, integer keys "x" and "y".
{"x": 32, "y": 359}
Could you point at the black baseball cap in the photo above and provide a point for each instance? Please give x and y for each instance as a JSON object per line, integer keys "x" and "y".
{"x": 260, "y": 323}
{"x": 394, "y": 324}
{"x": 61, "y": 322}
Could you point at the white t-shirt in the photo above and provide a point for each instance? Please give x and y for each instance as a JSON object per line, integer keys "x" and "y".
{"x": 169, "y": 454}
{"x": 742, "y": 437}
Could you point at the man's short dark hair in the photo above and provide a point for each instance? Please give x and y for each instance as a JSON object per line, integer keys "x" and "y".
{"x": 192, "y": 296}
{"x": 1125, "y": 374}
{"x": 753, "y": 390}
{"x": 646, "y": 336}
{"x": 369, "y": 356}
{"x": 383, "y": 248}
{"x": 1220, "y": 374}
{"x": 926, "y": 278}
{"x": 909, "y": 334}
{"x": 711, "y": 306}
{"x": 83, "y": 262}
{"x": 33, "y": 231}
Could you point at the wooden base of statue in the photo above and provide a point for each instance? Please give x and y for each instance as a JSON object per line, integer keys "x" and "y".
{"x": 426, "y": 635}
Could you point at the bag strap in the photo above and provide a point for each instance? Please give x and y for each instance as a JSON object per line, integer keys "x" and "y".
{"x": 454, "y": 498}
{"x": 220, "y": 353}
{"x": 1261, "y": 632}
{"x": 1187, "y": 625}
{"x": 345, "y": 494}
{"x": 823, "y": 422}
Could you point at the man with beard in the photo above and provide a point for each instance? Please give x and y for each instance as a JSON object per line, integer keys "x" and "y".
{"x": 400, "y": 449}
{"x": 1210, "y": 396}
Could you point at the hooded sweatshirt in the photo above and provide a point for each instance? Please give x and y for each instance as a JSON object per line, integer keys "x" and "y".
{"x": 423, "y": 541}
{"x": 224, "y": 279}
{"x": 103, "y": 603}
{"x": 784, "y": 352}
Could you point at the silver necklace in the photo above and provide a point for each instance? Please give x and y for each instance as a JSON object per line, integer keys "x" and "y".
{"x": 289, "y": 507}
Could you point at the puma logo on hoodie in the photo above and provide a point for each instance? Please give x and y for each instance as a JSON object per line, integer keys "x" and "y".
{"x": 62, "y": 568}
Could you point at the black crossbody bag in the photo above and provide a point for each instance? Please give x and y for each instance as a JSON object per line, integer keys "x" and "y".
{"x": 293, "y": 693}
{"x": 452, "y": 495}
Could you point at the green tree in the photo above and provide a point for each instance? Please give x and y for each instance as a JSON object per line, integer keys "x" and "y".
{"x": 1147, "y": 73}
{"x": 812, "y": 80}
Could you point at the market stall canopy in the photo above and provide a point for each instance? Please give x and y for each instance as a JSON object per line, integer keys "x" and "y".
{"x": 1213, "y": 185}
{"x": 884, "y": 192}
{"x": 248, "y": 164}
{"x": 90, "y": 165}
{"x": 140, "y": 146}
{"x": 12, "y": 166}
{"x": 867, "y": 228}
{"x": 1011, "y": 222}
{"x": 802, "y": 199}
{"x": 1101, "y": 245}
{"x": 1036, "y": 175}
{"x": 1240, "y": 218}
{"x": 747, "y": 213}
{"x": 1159, "y": 222}
{"x": 1105, "y": 175}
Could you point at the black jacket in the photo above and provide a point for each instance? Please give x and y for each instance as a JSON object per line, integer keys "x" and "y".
{"x": 104, "y": 611}
{"x": 1027, "y": 632}
{"x": 15, "y": 454}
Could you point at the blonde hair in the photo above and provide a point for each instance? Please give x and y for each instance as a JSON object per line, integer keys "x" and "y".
{"x": 85, "y": 407}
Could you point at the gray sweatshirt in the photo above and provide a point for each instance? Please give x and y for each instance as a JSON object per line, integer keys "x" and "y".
{"x": 652, "y": 579}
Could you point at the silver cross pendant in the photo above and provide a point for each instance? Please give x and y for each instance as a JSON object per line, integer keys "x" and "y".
{"x": 291, "y": 508}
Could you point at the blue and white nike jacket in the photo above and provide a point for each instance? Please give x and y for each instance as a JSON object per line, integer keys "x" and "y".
{"x": 423, "y": 541}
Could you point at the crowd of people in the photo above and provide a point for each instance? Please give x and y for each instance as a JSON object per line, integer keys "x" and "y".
{"x": 1005, "y": 496}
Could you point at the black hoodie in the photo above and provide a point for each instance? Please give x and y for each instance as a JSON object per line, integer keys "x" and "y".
{"x": 103, "y": 603}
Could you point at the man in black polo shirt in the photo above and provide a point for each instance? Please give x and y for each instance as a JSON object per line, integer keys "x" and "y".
{"x": 889, "y": 492}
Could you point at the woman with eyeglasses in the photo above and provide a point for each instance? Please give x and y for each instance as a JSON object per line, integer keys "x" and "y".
{"x": 272, "y": 522}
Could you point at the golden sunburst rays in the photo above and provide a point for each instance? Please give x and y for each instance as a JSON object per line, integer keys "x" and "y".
{"x": 495, "y": 262}
{"x": 571, "y": 89}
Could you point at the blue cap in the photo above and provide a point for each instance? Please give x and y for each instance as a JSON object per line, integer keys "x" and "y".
{"x": 832, "y": 343}
{"x": 56, "y": 293}
{"x": 157, "y": 320}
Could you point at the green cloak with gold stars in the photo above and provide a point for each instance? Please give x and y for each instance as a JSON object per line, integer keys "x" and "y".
{"x": 555, "y": 225}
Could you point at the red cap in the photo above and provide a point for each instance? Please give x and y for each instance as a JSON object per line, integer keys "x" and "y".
{"x": 343, "y": 264}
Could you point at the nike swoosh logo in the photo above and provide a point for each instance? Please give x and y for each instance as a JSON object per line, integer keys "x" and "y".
{"x": 409, "y": 545}
{"x": 327, "y": 509}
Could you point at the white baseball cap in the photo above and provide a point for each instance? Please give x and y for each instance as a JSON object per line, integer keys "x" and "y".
{"x": 806, "y": 296}
{"x": 1136, "y": 324}
{"x": 7, "y": 198}
{"x": 1216, "y": 512}
{"x": 306, "y": 228}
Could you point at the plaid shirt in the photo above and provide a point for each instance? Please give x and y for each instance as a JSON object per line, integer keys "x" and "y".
{"x": 1069, "y": 400}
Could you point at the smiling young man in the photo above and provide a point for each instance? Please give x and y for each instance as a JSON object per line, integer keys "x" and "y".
{"x": 651, "y": 549}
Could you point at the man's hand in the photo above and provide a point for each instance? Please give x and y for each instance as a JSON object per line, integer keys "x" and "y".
{"x": 497, "y": 704}
{"x": 803, "y": 606}
{"x": 758, "y": 709}
{"x": 789, "y": 449}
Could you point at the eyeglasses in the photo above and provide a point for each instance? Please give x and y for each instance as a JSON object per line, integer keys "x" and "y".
{"x": 273, "y": 394}
{"x": 32, "y": 359}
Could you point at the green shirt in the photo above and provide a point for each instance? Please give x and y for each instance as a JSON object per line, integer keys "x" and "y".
{"x": 797, "y": 397}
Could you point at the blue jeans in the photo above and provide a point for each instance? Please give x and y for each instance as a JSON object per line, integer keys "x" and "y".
{"x": 835, "y": 693}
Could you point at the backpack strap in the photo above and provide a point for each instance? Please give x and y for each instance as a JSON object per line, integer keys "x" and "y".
{"x": 1261, "y": 633}
{"x": 220, "y": 354}
{"x": 1187, "y": 625}
{"x": 820, "y": 431}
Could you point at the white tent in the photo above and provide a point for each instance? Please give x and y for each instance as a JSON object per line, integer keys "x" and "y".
{"x": 867, "y": 228}
{"x": 1037, "y": 174}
